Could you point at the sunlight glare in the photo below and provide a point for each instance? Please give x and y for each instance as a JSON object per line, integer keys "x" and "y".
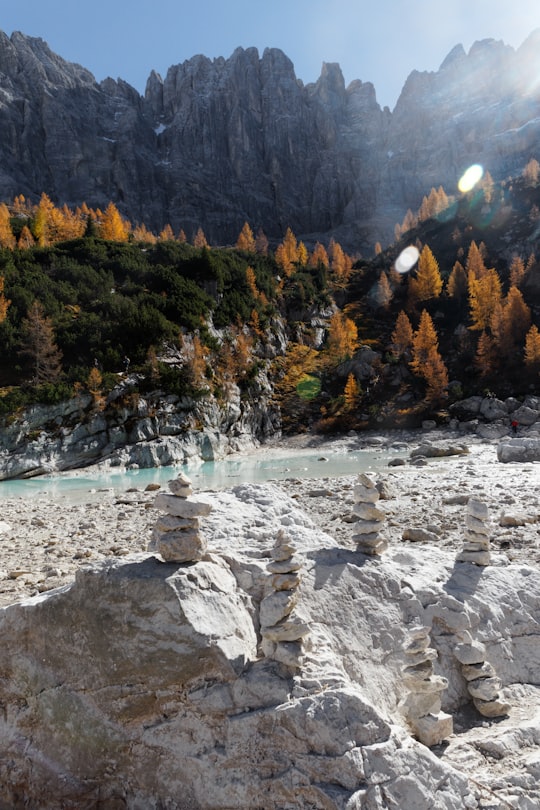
{"x": 470, "y": 178}
{"x": 407, "y": 259}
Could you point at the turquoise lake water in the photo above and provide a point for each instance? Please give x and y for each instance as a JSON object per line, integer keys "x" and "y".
{"x": 254, "y": 468}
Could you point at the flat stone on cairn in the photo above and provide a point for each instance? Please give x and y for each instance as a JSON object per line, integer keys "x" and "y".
{"x": 476, "y": 544}
{"x": 177, "y": 537}
{"x": 370, "y": 518}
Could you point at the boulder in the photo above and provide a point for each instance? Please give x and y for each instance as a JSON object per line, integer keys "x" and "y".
{"x": 518, "y": 449}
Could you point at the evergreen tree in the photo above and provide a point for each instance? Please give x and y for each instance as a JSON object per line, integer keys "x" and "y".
{"x": 4, "y": 302}
{"x": 199, "y": 240}
{"x": 40, "y": 346}
{"x": 383, "y": 292}
{"x": 486, "y": 355}
{"x": 456, "y": 286}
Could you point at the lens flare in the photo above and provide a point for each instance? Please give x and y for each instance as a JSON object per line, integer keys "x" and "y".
{"x": 407, "y": 259}
{"x": 472, "y": 176}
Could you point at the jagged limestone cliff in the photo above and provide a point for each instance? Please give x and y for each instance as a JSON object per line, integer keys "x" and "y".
{"x": 218, "y": 142}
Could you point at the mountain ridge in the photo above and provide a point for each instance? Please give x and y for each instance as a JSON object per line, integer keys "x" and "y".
{"x": 219, "y": 142}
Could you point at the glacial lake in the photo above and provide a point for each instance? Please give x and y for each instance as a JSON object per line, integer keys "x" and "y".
{"x": 259, "y": 466}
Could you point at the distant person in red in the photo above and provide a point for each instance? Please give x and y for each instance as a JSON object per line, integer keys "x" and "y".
{"x": 514, "y": 425}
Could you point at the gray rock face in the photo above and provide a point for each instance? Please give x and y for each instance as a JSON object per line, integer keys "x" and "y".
{"x": 87, "y": 437}
{"x": 220, "y": 141}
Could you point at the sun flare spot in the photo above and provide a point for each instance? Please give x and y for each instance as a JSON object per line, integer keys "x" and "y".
{"x": 407, "y": 259}
{"x": 470, "y": 178}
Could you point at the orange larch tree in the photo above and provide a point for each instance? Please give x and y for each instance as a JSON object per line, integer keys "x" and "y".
{"x": 426, "y": 360}
{"x": 287, "y": 253}
{"x": 484, "y": 295}
{"x": 7, "y": 239}
{"x": 319, "y": 256}
{"x": 112, "y": 226}
{"x": 342, "y": 337}
{"x": 428, "y": 282}
{"x": 402, "y": 336}
{"x": 532, "y": 349}
{"x": 245, "y": 239}
{"x": 475, "y": 264}
{"x": 199, "y": 240}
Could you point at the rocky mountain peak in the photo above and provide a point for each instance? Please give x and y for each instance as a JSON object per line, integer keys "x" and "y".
{"x": 221, "y": 141}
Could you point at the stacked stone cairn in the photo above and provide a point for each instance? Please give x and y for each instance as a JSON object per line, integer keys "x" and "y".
{"x": 422, "y": 706}
{"x": 282, "y": 629}
{"x": 177, "y": 534}
{"x": 482, "y": 682}
{"x": 370, "y": 518}
{"x": 476, "y": 544}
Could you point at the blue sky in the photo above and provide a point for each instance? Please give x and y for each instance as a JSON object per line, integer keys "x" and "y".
{"x": 380, "y": 41}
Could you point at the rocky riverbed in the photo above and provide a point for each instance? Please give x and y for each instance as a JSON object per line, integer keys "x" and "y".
{"x": 44, "y": 540}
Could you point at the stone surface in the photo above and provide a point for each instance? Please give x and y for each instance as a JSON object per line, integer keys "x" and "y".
{"x": 227, "y": 726}
{"x": 433, "y": 729}
{"x": 519, "y": 449}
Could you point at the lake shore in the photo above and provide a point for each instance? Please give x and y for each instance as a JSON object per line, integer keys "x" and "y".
{"x": 44, "y": 541}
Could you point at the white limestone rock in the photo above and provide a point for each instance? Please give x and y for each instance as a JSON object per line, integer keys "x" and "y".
{"x": 492, "y": 708}
{"x": 276, "y": 606}
{"x": 181, "y": 507}
{"x": 181, "y": 547}
{"x": 432, "y": 729}
{"x": 473, "y": 653}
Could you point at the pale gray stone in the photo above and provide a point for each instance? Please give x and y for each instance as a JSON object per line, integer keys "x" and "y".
{"x": 179, "y": 547}
{"x": 172, "y": 523}
{"x": 285, "y": 582}
{"x": 419, "y": 535}
{"x": 285, "y": 566}
{"x": 275, "y": 607}
{"x": 367, "y": 511}
{"x": 475, "y": 524}
{"x": 291, "y": 629}
{"x": 433, "y": 729}
{"x": 366, "y": 527}
{"x": 181, "y": 507}
{"x": 473, "y": 653}
{"x": 418, "y": 704}
{"x": 436, "y": 683}
{"x": 288, "y": 653}
{"x": 473, "y": 671}
{"x": 481, "y": 558}
{"x": 492, "y": 708}
{"x": 485, "y": 688}
{"x": 478, "y": 509}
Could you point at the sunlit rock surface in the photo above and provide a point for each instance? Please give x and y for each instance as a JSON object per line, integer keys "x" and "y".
{"x": 146, "y": 684}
